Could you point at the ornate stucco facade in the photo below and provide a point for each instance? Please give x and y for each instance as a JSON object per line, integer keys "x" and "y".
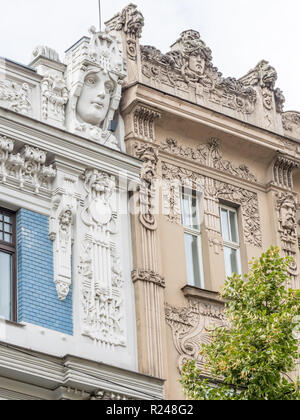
{"x": 99, "y": 149}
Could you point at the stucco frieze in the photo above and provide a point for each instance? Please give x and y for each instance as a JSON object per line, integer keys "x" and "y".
{"x": 208, "y": 154}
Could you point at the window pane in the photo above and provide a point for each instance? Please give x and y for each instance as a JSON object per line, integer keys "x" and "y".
{"x": 233, "y": 226}
{"x": 195, "y": 213}
{"x": 231, "y": 261}
{"x": 5, "y": 285}
{"x": 186, "y": 211}
{"x": 224, "y": 224}
{"x": 192, "y": 260}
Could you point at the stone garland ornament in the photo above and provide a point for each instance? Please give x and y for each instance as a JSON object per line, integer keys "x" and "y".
{"x": 95, "y": 74}
{"x": 27, "y": 167}
{"x": 102, "y": 282}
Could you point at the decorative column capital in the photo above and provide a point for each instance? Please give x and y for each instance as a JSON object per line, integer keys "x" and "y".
{"x": 283, "y": 168}
{"x": 149, "y": 277}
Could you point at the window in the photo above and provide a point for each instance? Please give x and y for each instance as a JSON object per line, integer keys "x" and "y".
{"x": 192, "y": 238}
{"x": 7, "y": 265}
{"x": 230, "y": 233}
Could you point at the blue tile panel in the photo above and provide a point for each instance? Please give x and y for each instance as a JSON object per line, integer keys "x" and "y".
{"x": 38, "y": 302}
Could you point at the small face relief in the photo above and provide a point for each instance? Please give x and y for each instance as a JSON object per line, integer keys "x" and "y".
{"x": 197, "y": 64}
{"x": 93, "y": 104}
{"x": 288, "y": 215}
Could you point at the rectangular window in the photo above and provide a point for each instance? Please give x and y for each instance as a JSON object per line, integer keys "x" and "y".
{"x": 230, "y": 233}
{"x": 192, "y": 238}
{"x": 7, "y": 265}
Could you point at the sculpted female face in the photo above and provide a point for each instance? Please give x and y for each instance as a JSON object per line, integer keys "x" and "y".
{"x": 94, "y": 101}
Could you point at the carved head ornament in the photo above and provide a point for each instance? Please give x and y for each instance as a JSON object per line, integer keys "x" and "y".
{"x": 96, "y": 70}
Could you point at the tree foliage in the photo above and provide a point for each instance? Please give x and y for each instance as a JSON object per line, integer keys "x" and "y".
{"x": 254, "y": 359}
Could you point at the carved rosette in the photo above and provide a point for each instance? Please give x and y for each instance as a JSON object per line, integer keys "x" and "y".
{"x": 102, "y": 295}
{"x": 63, "y": 214}
{"x": 27, "y": 167}
{"x": 192, "y": 327}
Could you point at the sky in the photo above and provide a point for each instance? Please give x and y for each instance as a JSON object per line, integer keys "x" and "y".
{"x": 239, "y": 32}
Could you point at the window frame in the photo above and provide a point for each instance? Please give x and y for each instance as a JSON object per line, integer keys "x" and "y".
{"x": 192, "y": 231}
{"x": 230, "y": 244}
{"x": 11, "y": 249}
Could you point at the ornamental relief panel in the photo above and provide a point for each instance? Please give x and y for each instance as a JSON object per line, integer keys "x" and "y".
{"x": 101, "y": 277}
{"x": 27, "y": 168}
{"x": 286, "y": 207}
{"x": 208, "y": 154}
{"x": 191, "y": 327}
{"x": 175, "y": 177}
{"x": 16, "y": 96}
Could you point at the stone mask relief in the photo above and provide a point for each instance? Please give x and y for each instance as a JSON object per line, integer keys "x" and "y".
{"x": 94, "y": 101}
{"x": 288, "y": 215}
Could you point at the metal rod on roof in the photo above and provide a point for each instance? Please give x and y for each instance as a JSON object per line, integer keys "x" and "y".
{"x": 100, "y": 16}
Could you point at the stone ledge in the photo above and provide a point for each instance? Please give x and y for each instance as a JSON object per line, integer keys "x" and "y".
{"x": 201, "y": 294}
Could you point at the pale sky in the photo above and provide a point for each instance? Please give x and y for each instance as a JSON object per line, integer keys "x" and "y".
{"x": 239, "y": 32}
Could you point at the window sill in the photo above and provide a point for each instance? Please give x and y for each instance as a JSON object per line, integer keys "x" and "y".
{"x": 15, "y": 324}
{"x": 203, "y": 295}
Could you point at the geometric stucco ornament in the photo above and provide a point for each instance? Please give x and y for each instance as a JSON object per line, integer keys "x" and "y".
{"x": 95, "y": 73}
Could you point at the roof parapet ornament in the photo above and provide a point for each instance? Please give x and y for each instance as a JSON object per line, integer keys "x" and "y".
{"x": 130, "y": 20}
{"x": 45, "y": 52}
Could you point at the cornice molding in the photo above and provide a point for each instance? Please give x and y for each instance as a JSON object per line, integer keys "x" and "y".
{"x": 77, "y": 374}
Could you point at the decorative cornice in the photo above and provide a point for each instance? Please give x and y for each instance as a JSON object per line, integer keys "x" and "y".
{"x": 73, "y": 374}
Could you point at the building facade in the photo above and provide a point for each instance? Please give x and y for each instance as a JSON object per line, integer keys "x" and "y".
{"x": 132, "y": 183}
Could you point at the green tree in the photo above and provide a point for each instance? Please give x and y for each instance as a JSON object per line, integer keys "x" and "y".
{"x": 254, "y": 359}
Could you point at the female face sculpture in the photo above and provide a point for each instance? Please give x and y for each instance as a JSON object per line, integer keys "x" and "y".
{"x": 94, "y": 101}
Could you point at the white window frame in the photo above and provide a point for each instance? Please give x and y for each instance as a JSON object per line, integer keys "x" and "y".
{"x": 230, "y": 244}
{"x": 193, "y": 232}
